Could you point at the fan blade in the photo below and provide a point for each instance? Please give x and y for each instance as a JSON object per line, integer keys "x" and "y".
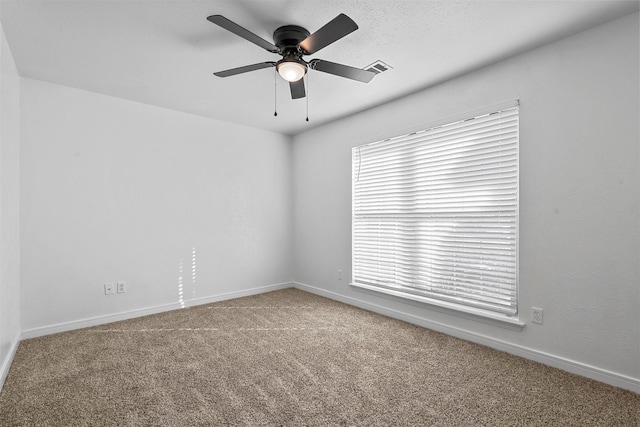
{"x": 245, "y": 69}
{"x": 334, "y": 30}
{"x": 297, "y": 89}
{"x": 242, "y": 32}
{"x": 341, "y": 70}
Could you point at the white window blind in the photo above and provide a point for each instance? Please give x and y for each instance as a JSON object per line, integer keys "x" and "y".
{"x": 435, "y": 214}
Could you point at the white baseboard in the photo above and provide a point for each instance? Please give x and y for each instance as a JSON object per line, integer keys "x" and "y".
{"x": 6, "y": 363}
{"x": 116, "y": 317}
{"x": 575, "y": 367}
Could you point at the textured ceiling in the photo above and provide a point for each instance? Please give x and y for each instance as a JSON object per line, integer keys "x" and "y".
{"x": 164, "y": 52}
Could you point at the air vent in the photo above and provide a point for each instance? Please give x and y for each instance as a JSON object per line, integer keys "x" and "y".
{"x": 378, "y": 67}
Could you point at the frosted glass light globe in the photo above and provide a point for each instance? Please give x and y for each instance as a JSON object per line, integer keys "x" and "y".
{"x": 291, "y": 71}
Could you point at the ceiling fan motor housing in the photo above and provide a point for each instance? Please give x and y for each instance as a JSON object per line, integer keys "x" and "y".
{"x": 288, "y": 37}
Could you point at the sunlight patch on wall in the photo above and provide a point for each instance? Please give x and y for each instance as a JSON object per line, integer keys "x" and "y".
{"x": 193, "y": 272}
{"x": 180, "y": 284}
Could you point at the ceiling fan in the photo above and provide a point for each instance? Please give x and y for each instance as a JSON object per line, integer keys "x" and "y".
{"x": 293, "y": 42}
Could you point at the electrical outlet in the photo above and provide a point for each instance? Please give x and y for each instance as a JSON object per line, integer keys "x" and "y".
{"x": 536, "y": 315}
{"x": 339, "y": 274}
{"x": 122, "y": 287}
{"x": 109, "y": 289}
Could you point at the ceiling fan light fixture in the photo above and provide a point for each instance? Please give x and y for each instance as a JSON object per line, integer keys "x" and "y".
{"x": 291, "y": 71}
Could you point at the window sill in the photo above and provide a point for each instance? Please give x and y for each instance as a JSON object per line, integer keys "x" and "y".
{"x": 452, "y": 309}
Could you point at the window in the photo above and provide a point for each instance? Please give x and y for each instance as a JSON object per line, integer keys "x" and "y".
{"x": 435, "y": 215}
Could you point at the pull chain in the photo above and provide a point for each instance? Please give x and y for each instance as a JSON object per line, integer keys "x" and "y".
{"x": 308, "y": 96}
{"x": 275, "y": 92}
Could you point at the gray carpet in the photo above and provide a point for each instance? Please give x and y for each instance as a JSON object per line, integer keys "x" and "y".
{"x": 290, "y": 358}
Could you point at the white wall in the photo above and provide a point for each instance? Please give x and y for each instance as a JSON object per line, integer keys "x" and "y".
{"x": 115, "y": 190}
{"x": 9, "y": 207}
{"x": 579, "y": 199}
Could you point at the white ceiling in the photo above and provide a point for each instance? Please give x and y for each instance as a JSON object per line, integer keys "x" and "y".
{"x": 164, "y": 52}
